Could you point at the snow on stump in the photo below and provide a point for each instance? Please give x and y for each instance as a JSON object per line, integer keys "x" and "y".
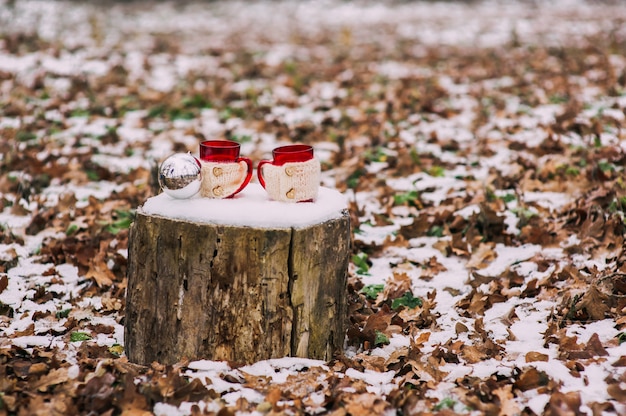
{"x": 242, "y": 279}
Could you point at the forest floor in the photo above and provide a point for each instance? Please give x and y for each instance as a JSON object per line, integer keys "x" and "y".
{"x": 481, "y": 145}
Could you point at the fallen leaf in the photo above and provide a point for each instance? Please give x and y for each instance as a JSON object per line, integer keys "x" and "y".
{"x": 30, "y": 330}
{"x": 4, "y": 282}
{"x": 617, "y": 392}
{"x": 377, "y": 322}
{"x": 100, "y": 273}
{"x": 482, "y": 257}
{"x": 366, "y": 404}
{"x": 508, "y": 406}
{"x": 397, "y": 286}
{"x": 530, "y": 379}
{"x": 536, "y": 356}
{"x": 594, "y": 346}
{"x": 620, "y": 362}
{"x": 594, "y": 303}
{"x": 564, "y": 404}
{"x": 54, "y": 377}
{"x": 37, "y": 369}
{"x": 460, "y": 327}
{"x": 472, "y": 354}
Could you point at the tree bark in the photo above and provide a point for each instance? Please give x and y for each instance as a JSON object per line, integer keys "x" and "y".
{"x": 244, "y": 294}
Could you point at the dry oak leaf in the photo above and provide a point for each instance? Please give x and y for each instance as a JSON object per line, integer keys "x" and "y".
{"x": 413, "y": 314}
{"x": 30, "y": 330}
{"x": 19, "y": 210}
{"x": 488, "y": 408}
{"x": 37, "y": 369}
{"x": 458, "y": 245}
{"x": 57, "y": 405}
{"x": 396, "y": 359}
{"x": 397, "y": 286}
{"x": 563, "y": 404}
{"x": 431, "y": 367}
{"x": 97, "y": 394}
{"x": 21, "y": 368}
{"x": 508, "y": 406}
{"x": 417, "y": 342}
{"x": 595, "y": 303}
{"x": 472, "y": 354}
{"x": 482, "y": 256}
{"x": 377, "y": 322}
{"x": 621, "y": 362}
{"x": 418, "y": 228}
{"x": 477, "y": 302}
{"x": 594, "y": 345}
{"x": 570, "y": 348}
{"x": 460, "y": 327}
{"x": 54, "y": 377}
{"x": 535, "y": 232}
{"x": 273, "y": 396}
{"x": 434, "y": 266}
{"x": 617, "y": 392}
{"x": 100, "y": 273}
{"x": 536, "y": 356}
{"x": 374, "y": 363}
{"x": 302, "y": 384}
{"x": 4, "y": 283}
{"x": 10, "y": 402}
{"x": 531, "y": 379}
{"x": 602, "y": 408}
{"x": 366, "y": 404}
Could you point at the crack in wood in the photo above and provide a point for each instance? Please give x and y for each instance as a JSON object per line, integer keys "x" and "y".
{"x": 234, "y": 293}
{"x": 295, "y": 318}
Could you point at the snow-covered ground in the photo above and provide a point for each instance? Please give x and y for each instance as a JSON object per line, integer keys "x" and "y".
{"x": 81, "y": 85}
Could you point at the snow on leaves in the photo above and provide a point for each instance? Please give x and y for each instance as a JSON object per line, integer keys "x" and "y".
{"x": 481, "y": 147}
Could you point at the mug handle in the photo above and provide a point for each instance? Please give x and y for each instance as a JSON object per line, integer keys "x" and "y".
{"x": 248, "y": 175}
{"x": 259, "y": 171}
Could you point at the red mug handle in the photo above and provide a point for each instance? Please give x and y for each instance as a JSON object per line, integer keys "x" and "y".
{"x": 259, "y": 171}
{"x": 248, "y": 175}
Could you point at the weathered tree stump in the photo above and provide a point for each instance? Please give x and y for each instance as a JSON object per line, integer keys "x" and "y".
{"x": 220, "y": 291}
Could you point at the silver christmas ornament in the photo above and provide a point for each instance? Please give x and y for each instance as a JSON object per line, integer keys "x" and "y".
{"x": 180, "y": 175}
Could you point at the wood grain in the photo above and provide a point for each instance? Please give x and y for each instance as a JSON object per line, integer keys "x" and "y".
{"x": 243, "y": 294}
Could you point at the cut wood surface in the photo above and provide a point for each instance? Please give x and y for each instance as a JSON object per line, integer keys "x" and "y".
{"x": 222, "y": 292}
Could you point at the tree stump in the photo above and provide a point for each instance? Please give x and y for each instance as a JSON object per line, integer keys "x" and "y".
{"x": 205, "y": 289}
